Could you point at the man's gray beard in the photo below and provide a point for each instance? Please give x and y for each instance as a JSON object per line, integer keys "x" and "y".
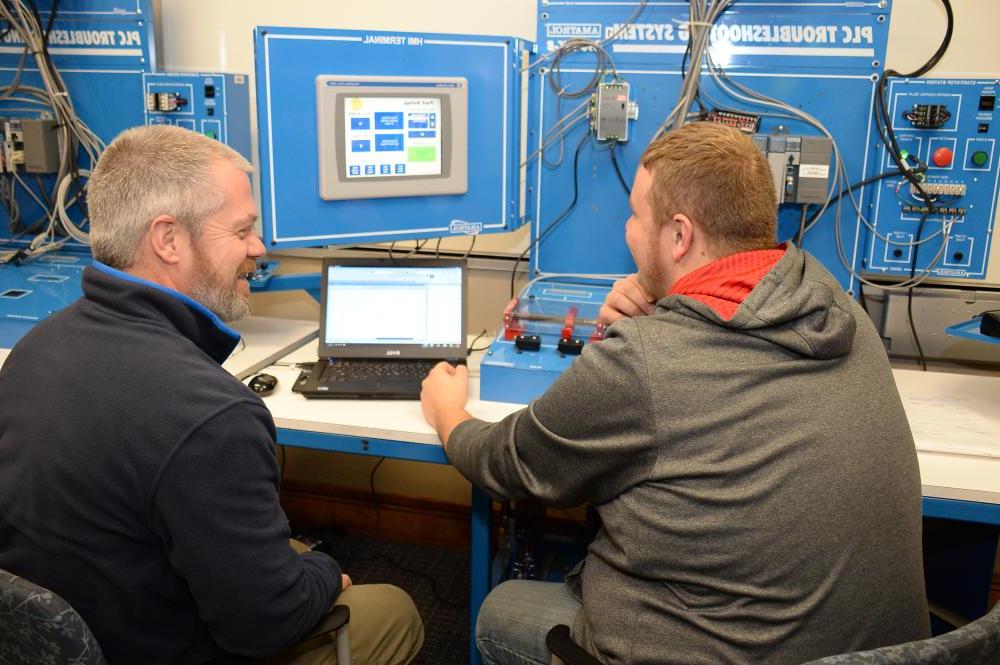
{"x": 227, "y": 303}
{"x": 216, "y": 294}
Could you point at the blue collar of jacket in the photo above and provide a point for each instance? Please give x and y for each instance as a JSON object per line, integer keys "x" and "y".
{"x": 138, "y": 298}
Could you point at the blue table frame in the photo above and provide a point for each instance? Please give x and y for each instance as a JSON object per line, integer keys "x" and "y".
{"x": 481, "y": 505}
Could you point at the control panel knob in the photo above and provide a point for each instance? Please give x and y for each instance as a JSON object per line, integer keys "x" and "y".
{"x": 942, "y": 157}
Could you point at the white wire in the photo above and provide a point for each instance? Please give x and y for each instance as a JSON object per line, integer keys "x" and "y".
{"x": 74, "y": 133}
{"x": 594, "y": 44}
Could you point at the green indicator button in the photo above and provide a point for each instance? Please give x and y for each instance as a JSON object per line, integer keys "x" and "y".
{"x": 423, "y": 153}
{"x": 980, "y": 157}
{"x": 211, "y": 134}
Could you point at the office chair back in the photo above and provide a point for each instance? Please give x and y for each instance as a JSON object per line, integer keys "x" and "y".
{"x": 977, "y": 643}
{"x": 37, "y": 626}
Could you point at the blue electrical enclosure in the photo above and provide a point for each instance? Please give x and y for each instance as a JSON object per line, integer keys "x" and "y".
{"x": 962, "y": 172}
{"x": 290, "y": 61}
{"x": 819, "y": 57}
{"x": 216, "y": 105}
{"x": 563, "y": 318}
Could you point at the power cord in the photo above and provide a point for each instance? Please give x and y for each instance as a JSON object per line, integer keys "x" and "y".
{"x": 562, "y": 216}
{"x": 472, "y": 346}
{"x": 354, "y": 556}
{"x": 909, "y": 295}
{"x": 883, "y": 119}
{"x": 618, "y": 171}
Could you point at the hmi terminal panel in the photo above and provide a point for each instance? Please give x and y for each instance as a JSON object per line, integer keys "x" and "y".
{"x": 388, "y": 136}
{"x": 948, "y": 129}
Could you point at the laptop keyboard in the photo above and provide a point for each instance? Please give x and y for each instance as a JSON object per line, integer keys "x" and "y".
{"x": 339, "y": 371}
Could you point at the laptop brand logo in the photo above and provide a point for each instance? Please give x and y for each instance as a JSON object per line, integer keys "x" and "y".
{"x": 392, "y": 352}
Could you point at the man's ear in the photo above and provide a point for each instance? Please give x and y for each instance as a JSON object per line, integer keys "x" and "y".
{"x": 168, "y": 239}
{"x": 679, "y": 236}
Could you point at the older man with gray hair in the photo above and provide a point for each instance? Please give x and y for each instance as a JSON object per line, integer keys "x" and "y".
{"x": 138, "y": 478}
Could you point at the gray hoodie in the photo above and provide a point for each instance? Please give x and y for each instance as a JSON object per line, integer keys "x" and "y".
{"x": 756, "y": 478}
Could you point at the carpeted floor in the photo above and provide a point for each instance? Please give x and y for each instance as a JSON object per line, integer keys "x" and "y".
{"x": 437, "y": 579}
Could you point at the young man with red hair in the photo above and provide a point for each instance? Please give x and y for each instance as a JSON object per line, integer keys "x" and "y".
{"x": 739, "y": 432}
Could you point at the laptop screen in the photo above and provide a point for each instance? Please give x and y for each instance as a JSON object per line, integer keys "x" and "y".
{"x": 382, "y": 308}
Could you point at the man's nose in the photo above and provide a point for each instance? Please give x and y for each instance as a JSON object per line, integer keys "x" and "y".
{"x": 257, "y": 248}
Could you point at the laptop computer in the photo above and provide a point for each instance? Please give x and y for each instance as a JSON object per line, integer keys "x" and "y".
{"x": 384, "y": 323}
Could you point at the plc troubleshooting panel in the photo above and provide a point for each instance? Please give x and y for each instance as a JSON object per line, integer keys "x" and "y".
{"x": 948, "y": 129}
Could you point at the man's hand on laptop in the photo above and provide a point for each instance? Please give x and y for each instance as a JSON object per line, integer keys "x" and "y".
{"x": 443, "y": 396}
{"x": 626, "y": 298}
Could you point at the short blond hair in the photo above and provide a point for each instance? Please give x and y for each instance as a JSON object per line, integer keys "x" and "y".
{"x": 147, "y": 172}
{"x": 717, "y": 177}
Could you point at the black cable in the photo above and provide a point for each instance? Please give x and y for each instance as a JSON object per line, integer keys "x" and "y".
{"x": 618, "y": 171}
{"x": 883, "y": 120}
{"x": 802, "y": 225}
{"x": 472, "y": 346}
{"x": 851, "y": 188}
{"x": 412, "y": 571}
{"x": 48, "y": 26}
{"x": 371, "y": 486}
{"x": 562, "y": 216}
{"x": 472, "y": 245}
{"x": 909, "y": 294}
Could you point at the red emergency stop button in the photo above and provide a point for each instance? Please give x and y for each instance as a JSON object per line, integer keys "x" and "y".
{"x": 942, "y": 157}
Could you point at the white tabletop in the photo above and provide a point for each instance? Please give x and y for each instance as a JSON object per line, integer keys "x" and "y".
{"x": 951, "y": 475}
{"x": 955, "y": 419}
{"x": 266, "y": 340}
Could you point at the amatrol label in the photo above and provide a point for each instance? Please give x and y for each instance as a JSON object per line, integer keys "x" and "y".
{"x": 570, "y": 30}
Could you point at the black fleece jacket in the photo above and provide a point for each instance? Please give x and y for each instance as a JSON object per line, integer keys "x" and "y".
{"x": 138, "y": 481}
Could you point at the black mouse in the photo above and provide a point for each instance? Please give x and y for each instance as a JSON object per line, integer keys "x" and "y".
{"x": 263, "y": 384}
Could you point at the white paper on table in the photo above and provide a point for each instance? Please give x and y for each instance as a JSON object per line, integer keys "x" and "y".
{"x": 949, "y": 424}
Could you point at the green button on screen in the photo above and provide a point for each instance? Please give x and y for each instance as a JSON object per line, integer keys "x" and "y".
{"x": 422, "y": 153}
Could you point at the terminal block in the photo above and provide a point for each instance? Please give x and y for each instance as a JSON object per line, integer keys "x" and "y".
{"x": 924, "y": 210}
{"x": 164, "y": 102}
{"x": 940, "y": 189}
{"x": 11, "y": 145}
{"x": 748, "y": 123}
{"x": 928, "y": 116}
{"x": 610, "y": 111}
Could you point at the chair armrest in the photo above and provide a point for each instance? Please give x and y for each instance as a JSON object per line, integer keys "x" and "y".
{"x": 562, "y": 646}
{"x": 336, "y": 621}
{"x": 338, "y": 617}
